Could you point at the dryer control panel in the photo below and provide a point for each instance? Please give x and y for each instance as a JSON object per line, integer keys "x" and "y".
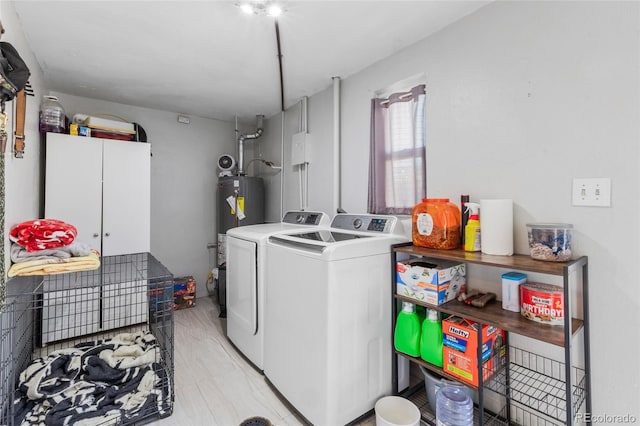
{"x": 305, "y": 218}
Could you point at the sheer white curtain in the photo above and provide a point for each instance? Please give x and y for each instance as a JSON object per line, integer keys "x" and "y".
{"x": 397, "y": 161}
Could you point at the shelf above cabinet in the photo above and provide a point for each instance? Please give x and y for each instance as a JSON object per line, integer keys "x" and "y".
{"x": 518, "y": 262}
{"x": 513, "y": 322}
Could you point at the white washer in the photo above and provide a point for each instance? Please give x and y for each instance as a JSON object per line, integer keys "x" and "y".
{"x": 328, "y": 321}
{"x": 246, "y": 259}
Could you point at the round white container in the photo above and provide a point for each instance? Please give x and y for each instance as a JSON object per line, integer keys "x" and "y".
{"x": 396, "y": 411}
{"x": 496, "y": 225}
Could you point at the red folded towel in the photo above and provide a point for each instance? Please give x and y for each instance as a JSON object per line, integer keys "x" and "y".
{"x": 43, "y": 234}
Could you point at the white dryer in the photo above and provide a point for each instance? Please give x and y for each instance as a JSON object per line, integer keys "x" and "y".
{"x": 246, "y": 260}
{"x": 328, "y": 323}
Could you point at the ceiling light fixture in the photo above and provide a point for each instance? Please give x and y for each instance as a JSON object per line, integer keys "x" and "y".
{"x": 261, "y": 7}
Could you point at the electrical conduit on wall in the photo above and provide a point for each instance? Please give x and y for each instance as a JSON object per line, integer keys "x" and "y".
{"x": 337, "y": 202}
{"x": 282, "y": 163}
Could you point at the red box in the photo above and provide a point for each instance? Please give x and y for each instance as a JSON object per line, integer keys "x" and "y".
{"x": 184, "y": 292}
{"x": 460, "y": 349}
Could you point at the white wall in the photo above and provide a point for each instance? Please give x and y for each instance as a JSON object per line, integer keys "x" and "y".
{"x": 22, "y": 176}
{"x": 319, "y": 155}
{"x": 268, "y": 148}
{"x": 521, "y": 98}
{"x": 183, "y": 182}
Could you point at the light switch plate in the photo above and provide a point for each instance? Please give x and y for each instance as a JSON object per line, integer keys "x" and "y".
{"x": 594, "y": 192}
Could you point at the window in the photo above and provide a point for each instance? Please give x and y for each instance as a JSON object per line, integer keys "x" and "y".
{"x": 397, "y": 161}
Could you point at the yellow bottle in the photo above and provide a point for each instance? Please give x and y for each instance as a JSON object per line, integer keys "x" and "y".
{"x": 472, "y": 230}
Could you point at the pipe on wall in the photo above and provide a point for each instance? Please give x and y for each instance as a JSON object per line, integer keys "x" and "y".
{"x": 241, "y": 140}
{"x": 303, "y": 168}
{"x": 282, "y": 163}
{"x": 337, "y": 198}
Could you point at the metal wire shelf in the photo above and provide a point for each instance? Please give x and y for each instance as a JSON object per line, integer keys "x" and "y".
{"x": 44, "y": 315}
{"x": 539, "y": 384}
{"x": 418, "y": 396}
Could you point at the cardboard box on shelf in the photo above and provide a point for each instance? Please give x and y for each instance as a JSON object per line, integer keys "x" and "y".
{"x": 184, "y": 292}
{"x": 460, "y": 349}
{"x": 432, "y": 281}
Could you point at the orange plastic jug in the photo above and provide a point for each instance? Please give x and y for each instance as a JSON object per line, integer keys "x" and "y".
{"x": 435, "y": 223}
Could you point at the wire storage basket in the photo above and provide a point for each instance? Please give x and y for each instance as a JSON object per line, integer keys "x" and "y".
{"x": 94, "y": 346}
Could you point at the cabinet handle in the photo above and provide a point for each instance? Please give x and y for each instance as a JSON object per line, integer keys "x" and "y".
{"x": 107, "y": 234}
{"x": 96, "y": 235}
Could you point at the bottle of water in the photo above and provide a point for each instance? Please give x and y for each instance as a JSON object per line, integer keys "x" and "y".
{"x": 453, "y": 406}
{"x": 52, "y": 117}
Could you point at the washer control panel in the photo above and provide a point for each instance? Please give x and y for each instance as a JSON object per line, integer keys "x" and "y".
{"x": 365, "y": 223}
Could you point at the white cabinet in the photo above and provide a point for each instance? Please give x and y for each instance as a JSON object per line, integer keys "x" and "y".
{"x": 102, "y": 187}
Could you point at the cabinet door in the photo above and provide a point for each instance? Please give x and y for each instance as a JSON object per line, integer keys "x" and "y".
{"x": 126, "y": 197}
{"x": 73, "y": 183}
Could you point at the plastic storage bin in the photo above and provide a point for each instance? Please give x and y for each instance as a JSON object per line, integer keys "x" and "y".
{"x": 435, "y": 223}
{"x": 433, "y": 382}
{"x": 550, "y": 241}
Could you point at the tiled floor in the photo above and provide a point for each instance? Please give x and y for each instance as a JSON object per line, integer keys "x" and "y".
{"x": 214, "y": 384}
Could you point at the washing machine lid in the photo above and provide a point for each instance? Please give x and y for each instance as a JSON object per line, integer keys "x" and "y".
{"x": 291, "y": 220}
{"x": 332, "y": 245}
{"x": 350, "y": 235}
{"x": 329, "y": 236}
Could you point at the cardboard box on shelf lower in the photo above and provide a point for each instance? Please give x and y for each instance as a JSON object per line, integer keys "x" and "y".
{"x": 184, "y": 292}
{"x": 460, "y": 349}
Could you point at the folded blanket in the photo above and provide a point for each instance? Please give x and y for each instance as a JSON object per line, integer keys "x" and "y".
{"x": 42, "y": 234}
{"x": 20, "y": 254}
{"x": 56, "y": 266}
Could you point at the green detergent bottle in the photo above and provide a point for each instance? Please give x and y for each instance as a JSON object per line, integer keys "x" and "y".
{"x": 422, "y": 313}
{"x": 407, "y": 333}
{"x": 431, "y": 338}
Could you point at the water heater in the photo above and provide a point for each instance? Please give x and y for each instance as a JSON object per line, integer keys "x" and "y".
{"x": 240, "y": 203}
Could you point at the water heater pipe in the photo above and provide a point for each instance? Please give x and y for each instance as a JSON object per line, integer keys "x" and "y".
{"x": 241, "y": 140}
{"x": 337, "y": 203}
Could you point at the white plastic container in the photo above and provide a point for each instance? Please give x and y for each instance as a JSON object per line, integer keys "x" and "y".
{"x": 511, "y": 290}
{"x": 396, "y": 411}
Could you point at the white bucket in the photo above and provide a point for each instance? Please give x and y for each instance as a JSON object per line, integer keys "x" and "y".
{"x": 396, "y": 411}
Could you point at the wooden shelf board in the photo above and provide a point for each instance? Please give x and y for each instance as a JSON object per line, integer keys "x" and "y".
{"x": 433, "y": 368}
{"x": 513, "y": 322}
{"x": 517, "y": 261}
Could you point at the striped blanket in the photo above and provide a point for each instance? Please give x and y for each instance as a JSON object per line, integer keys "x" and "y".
{"x": 119, "y": 380}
